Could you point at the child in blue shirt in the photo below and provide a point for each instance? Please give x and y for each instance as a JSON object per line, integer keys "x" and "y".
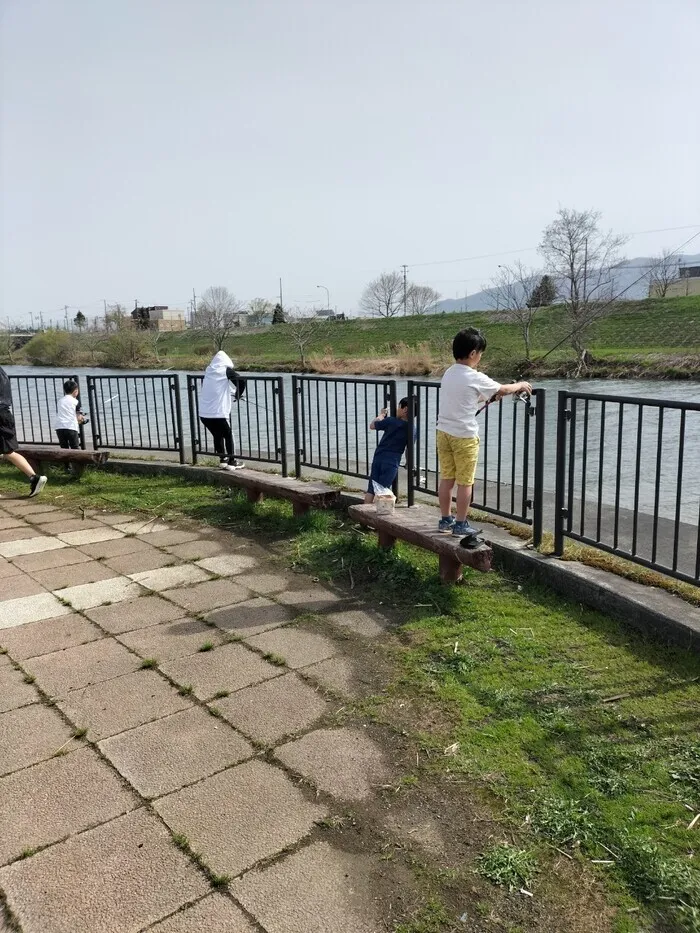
{"x": 390, "y": 450}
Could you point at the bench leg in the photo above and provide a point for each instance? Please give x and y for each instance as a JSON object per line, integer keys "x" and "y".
{"x": 450, "y": 569}
{"x": 299, "y": 509}
{"x": 78, "y": 469}
{"x": 254, "y": 495}
{"x": 386, "y": 540}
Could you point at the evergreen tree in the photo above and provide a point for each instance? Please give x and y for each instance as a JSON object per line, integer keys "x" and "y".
{"x": 543, "y": 294}
{"x": 79, "y": 320}
{"x": 278, "y": 315}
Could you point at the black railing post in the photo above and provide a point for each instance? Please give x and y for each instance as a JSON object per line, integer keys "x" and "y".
{"x": 92, "y": 405}
{"x": 538, "y": 491}
{"x": 175, "y": 387}
{"x": 390, "y": 402}
{"x": 563, "y": 415}
{"x": 410, "y": 446}
{"x": 297, "y": 436}
{"x": 281, "y": 415}
{"x": 192, "y": 408}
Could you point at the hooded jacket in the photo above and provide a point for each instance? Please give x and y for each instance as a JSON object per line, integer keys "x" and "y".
{"x": 220, "y": 379}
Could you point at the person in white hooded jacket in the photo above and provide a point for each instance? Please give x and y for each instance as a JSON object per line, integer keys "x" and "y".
{"x": 220, "y": 381}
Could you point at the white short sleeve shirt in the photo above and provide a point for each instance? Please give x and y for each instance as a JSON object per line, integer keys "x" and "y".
{"x": 462, "y": 391}
{"x": 66, "y": 418}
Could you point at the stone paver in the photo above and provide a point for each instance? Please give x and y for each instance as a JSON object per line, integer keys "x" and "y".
{"x": 28, "y": 735}
{"x": 227, "y": 565}
{"x": 30, "y": 609}
{"x": 131, "y": 614}
{"x": 19, "y": 585}
{"x": 58, "y": 797}
{"x": 309, "y": 599}
{"x": 336, "y": 674}
{"x": 73, "y": 575}
{"x": 210, "y": 595}
{"x": 273, "y": 710}
{"x": 46, "y": 560}
{"x": 142, "y": 527}
{"x": 121, "y": 876}
{"x": 164, "y": 755}
{"x": 213, "y": 914}
{"x": 230, "y": 667}
{"x": 9, "y": 521}
{"x": 345, "y": 763}
{"x": 7, "y": 569}
{"x": 167, "y": 577}
{"x": 152, "y": 559}
{"x": 72, "y": 524}
{"x": 30, "y": 546}
{"x": 360, "y": 622}
{"x": 123, "y": 703}
{"x": 173, "y": 536}
{"x": 67, "y": 670}
{"x": 115, "y": 547}
{"x": 251, "y": 617}
{"x": 315, "y": 890}
{"x": 266, "y": 583}
{"x": 297, "y": 647}
{"x": 197, "y": 549}
{"x": 46, "y": 518}
{"x": 90, "y": 595}
{"x": 35, "y": 638}
{"x": 18, "y": 534}
{"x": 171, "y": 639}
{"x": 14, "y": 691}
{"x": 240, "y": 816}
{"x": 91, "y": 536}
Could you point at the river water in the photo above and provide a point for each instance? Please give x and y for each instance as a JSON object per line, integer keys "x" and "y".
{"x": 327, "y": 442}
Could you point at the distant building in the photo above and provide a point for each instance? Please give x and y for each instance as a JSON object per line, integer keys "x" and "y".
{"x": 330, "y": 315}
{"x": 161, "y": 317}
{"x": 687, "y": 283}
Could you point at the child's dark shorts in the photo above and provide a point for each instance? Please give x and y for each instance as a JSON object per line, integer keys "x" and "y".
{"x": 8, "y": 434}
{"x": 384, "y": 472}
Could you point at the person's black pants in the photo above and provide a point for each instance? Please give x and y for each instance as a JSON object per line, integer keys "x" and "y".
{"x": 220, "y": 430}
{"x": 69, "y": 440}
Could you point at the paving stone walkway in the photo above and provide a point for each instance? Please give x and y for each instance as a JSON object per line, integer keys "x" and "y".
{"x": 168, "y": 745}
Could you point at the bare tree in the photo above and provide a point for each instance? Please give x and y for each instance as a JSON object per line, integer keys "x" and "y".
{"x": 92, "y": 340}
{"x": 217, "y": 314}
{"x": 383, "y": 296}
{"x": 583, "y": 257}
{"x": 511, "y": 291}
{"x": 421, "y": 299}
{"x": 154, "y": 337}
{"x": 7, "y": 345}
{"x": 258, "y": 310}
{"x": 663, "y": 271}
{"x": 305, "y": 332}
{"x": 116, "y": 318}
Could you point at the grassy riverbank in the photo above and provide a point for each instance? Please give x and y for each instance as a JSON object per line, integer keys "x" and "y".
{"x": 559, "y": 748}
{"x": 652, "y": 338}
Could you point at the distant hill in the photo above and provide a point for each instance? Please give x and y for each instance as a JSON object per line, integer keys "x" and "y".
{"x": 626, "y": 276}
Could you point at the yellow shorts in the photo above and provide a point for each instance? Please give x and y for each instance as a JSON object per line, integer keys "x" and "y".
{"x": 458, "y": 457}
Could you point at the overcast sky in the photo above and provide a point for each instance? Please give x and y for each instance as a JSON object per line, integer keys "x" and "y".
{"x": 155, "y": 146}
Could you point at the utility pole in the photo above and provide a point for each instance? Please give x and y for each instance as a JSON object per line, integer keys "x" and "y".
{"x": 31, "y": 318}
{"x": 41, "y": 319}
{"x": 405, "y": 270}
{"x": 194, "y": 308}
{"x": 281, "y": 303}
{"x": 65, "y": 315}
{"x": 585, "y": 269}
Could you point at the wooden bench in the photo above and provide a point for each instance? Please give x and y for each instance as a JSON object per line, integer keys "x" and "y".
{"x": 418, "y": 525}
{"x": 77, "y": 459}
{"x": 303, "y": 496}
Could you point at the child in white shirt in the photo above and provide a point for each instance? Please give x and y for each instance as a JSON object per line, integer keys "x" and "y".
{"x": 69, "y": 417}
{"x": 462, "y": 392}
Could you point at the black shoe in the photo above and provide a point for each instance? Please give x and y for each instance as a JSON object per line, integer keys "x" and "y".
{"x": 36, "y": 484}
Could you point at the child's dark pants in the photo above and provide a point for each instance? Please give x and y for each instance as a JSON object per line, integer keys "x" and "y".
{"x": 220, "y": 430}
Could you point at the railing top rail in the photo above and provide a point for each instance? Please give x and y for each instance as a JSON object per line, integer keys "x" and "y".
{"x": 428, "y": 383}
{"x": 632, "y": 400}
{"x": 312, "y": 377}
{"x": 133, "y": 375}
{"x": 249, "y": 377}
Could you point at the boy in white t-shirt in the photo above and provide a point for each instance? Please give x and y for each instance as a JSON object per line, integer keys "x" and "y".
{"x": 463, "y": 391}
{"x": 69, "y": 417}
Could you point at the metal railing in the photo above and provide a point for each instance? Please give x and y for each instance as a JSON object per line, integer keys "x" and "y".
{"x": 136, "y": 413}
{"x": 627, "y": 479}
{"x": 509, "y": 479}
{"x": 257, "y": 421}
{"x": 331, "y": 422}
{"x": 34, "y": 402}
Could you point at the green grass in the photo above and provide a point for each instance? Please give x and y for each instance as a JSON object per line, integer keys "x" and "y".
{"x": 507, "y": 865}
{"x": 525, "y": 682}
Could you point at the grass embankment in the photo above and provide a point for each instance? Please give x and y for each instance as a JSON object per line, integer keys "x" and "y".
{"x": 655, "y": 338}
{"x": 581, "y": 736}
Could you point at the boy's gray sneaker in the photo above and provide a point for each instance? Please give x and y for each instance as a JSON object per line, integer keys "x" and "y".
{"x": 235, "y": 465}
{"x": 445, "y": 525}
{"x": 465, "y": 530}
{"x": 36, "y": 484}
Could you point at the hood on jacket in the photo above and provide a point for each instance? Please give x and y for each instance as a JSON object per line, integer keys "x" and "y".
{"x": 219, "y": 364}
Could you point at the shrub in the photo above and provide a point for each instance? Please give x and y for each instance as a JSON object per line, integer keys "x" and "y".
{"x": 51, "y": 348}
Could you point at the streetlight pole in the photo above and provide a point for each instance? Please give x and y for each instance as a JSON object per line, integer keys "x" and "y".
{"x": 328, "y": 296}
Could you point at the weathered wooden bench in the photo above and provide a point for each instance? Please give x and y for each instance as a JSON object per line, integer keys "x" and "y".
{"x": 77, "y": 459}
{"x": 303, "y": 496}
{"x": 418, "y": 525}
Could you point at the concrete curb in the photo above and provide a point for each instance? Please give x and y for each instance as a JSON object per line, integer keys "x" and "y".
{"x": 652, "y": 611}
